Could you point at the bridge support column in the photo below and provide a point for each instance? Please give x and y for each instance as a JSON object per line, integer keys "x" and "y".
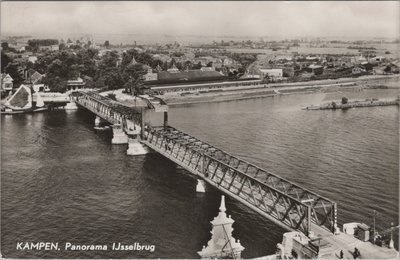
{"x": 165, "y": 119}
{"x": 135, "y": 147}
{"x": 97, "y": 121}
{"x": 71, "y": 105}
{"x": 200, "y": 186}
{"x": 119, "y": 136}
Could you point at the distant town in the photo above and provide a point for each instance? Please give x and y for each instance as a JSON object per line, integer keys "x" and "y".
{"x": 61, "y": 65}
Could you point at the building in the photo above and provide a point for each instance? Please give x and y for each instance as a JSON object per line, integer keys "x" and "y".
{"x": 150, "y": 75}
{"x": 75, "y": 84}
{"x": 358, "y": 70}
{"x": 54, "y": 47}
{"x": 40, "y": 88}
{"x": 173, "y": 69}
{"x": 6, "y": 83}
{"x": 175, "y": 76}
{"x": 207, "y": 68}
{"x": 271, "y": 73}
{"x": 32, "y": 59}
{"x": 315, "y": 69}
{"x": 36, "y": 77}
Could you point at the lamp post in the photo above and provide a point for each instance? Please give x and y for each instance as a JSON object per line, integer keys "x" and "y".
{"x": 374, "y": 227}
{"x": 391, "y": 243}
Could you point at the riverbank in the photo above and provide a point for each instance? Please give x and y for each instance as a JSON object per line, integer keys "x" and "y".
{"x": 270, "y": 90}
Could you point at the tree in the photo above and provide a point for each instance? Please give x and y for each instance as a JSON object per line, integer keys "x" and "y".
{"x": 55, "y": 84}
{"x": 107, "y": 44}
{"x": 4, "y": 46}
{"x": 344, "y": 100}
{"x": 5, "y": 60}
{"x": 12, "y": 69}
{"x": 61, "y": 46}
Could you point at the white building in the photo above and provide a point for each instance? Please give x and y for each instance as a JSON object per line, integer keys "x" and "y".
{"x": 150, "y": 75}
{"x": 76, "y": 84}
{"x": 272, "y": 73}
{"x": 6, "y": 82}
{"x": 40, "y": 88}
{"x": 32, "y": 59}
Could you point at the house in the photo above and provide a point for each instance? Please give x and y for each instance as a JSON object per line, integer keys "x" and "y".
{"x": 150, "y": 75}
{"x": 315, "y": 69}
{"x": 75, "y": 84}
{"x": 40, "y": 88}
{"x": 358, "y": 70}
{"x": 32, "y": 76}
{"x": 6, "y": 83}
{"x": 367, "y": 66}
{"x": 173, "y": 69}
{"x": 35, "y": 77}
{"x": 312, "y": 58}
{"x": 32, "y": 59}
{"x": 379, "y": 59}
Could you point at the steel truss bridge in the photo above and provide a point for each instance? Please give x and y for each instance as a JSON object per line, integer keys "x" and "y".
{"x": 274, "y": 197}
{"x": 284, "y": 202}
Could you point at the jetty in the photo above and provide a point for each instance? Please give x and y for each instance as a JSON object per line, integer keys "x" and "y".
{"x": 354, "y": 104}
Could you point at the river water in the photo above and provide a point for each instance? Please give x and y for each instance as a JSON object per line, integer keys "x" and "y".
{"x": 61, "y": 181}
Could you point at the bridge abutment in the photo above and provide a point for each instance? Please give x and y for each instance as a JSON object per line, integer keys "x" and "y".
{"x": 119, "y": 136}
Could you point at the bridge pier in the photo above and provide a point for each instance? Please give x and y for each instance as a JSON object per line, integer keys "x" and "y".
{"x": 135, "y": 147}
{"x": 119, "y": 136}
{"x": 98, "y": 120}
{"x": 200, "y": 186}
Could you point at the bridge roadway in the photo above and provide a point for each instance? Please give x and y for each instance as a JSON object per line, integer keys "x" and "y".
{"x": 284, "y": 202}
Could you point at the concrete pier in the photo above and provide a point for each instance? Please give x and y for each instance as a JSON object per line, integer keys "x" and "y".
{"x": 135, "y": 147}
{"x": 71, "y": 106}
{"x": 119, "y": 136}
{"x": 97, "y": 121}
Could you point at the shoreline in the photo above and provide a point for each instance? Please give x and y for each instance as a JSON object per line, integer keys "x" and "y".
{"x": 272, "y": 90}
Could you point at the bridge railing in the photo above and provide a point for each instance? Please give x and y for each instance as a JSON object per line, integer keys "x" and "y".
{"x": 287, "y": 203}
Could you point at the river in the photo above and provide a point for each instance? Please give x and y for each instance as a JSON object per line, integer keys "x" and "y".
{"x": 61, "y": 181}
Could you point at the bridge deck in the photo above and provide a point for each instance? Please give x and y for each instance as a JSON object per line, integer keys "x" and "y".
{"x": 280, "y": 200}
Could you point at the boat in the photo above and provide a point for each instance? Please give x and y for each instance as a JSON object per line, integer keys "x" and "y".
{"x": 9, "y": 111}
{"x": 21, "y": 102}
{"x": 100, "y": 128}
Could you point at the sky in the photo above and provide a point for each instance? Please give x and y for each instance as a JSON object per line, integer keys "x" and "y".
{"x": 209, "y": 18}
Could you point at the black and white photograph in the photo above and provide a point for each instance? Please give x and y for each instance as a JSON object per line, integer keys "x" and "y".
{"x": 200, "y": 129}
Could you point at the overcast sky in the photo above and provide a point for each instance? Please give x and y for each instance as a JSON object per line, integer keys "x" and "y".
{"x": 282, "y": 19}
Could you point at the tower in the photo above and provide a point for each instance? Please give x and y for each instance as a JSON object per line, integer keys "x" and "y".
{"x": 222, "y": 244}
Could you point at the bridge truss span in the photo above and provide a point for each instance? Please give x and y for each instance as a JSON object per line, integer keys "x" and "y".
{"x": 276, "y": 198}
{"x": 107, "y": 109}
